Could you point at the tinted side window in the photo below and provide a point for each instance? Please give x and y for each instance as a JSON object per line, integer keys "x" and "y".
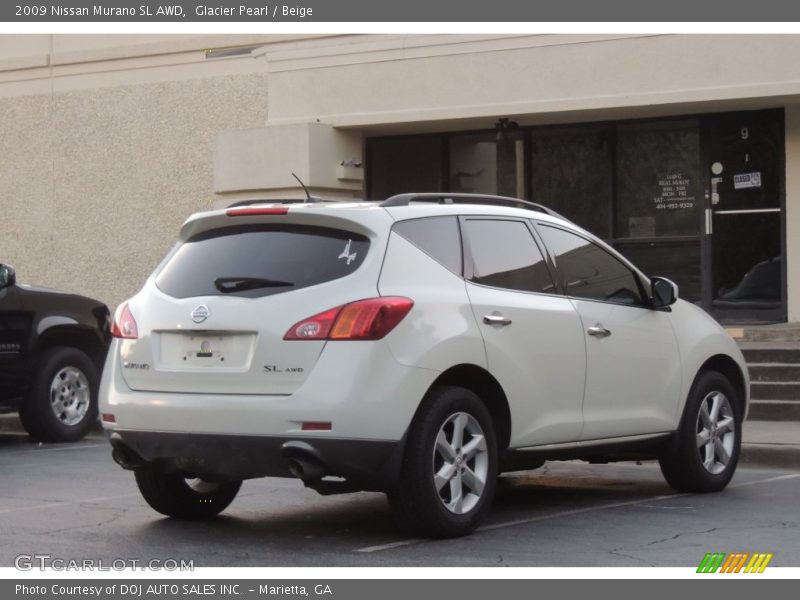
{"x": 436, "y": 236}
{"x": 505, "y": 255}
{"x": 589, "y": 271}
{"x": 260, "y": 260}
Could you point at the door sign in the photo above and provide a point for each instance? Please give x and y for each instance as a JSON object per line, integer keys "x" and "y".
{"x": 744, "y": 181}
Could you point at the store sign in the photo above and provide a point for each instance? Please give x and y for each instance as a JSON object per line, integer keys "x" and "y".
{"x": 674, "y": 192}
{"x": 743, "y": 181}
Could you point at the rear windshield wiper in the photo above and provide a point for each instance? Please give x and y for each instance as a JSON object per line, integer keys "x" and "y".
{"x": 227, "y": 285}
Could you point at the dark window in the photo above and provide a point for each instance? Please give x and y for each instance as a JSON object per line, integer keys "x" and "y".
{"x": 659, "y": 191}
{"x": 571, "y": 173}
{"x": 404, "y": 164}
{"x": 505, "y": 255}
{"x": 260, "y": 260}
{"x": 588, "y": 271}
{"x": 436, "y": 236}
{"x": 485, "y": 163}
{"x": 676, "y": 260}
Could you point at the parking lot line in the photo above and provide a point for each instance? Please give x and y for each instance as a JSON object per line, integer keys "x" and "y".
{"x": 390, "y": 545}
{"x": 59, "y": 449}
{"x": 568, "y": 513}
{"x": 767, "y": 480}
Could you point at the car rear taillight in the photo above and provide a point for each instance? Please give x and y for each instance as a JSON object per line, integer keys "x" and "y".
{"x": 316, "y": 426}
{"x": 124, "y": 325}
{"x": 368, "y": 319}
{"x": 249, "y": 211}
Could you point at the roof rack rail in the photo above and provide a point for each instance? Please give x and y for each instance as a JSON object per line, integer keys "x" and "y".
{"x": 445, "y": 198}
{"x": 313, "y": 199}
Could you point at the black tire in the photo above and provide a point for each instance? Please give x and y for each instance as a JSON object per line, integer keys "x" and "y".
{"x": 683, "y": 462}
{"x": 415, "y": 500}
{"x": 171, "y": 494}
{"x": 37, "y": 411}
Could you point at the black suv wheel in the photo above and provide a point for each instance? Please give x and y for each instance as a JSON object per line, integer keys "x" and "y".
{"x": 61, "y": 403}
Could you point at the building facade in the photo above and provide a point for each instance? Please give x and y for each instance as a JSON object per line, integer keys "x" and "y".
{"x": 682, "y": 151}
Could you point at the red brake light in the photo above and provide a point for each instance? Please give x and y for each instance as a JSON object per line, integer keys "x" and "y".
{"x": 124, "y": 325}
{"x": 370, "y": 319}
{"x": 248, "y": 211}
{"x": 316, "y": 426}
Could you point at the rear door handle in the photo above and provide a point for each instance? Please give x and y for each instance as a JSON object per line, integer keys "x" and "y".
{"x": 496, "y": 320}
{"x": 598, "y": 331}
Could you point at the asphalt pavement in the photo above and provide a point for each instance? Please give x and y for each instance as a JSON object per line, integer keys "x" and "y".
{"x": 73, "y": 502}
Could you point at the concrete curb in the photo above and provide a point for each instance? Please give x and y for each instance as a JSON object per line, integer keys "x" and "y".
{"x": 774, "y": 456}
{"x": 10, "y": 423}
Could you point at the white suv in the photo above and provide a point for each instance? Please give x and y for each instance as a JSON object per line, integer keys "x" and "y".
{"x": 419, "y": 347}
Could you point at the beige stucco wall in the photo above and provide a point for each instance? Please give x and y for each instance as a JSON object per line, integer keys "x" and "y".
{"x": 95, "y": 183}
{"x": 396, "y": 83}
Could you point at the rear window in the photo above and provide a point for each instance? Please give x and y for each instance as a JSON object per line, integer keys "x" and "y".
{"x": 260, "y": 260}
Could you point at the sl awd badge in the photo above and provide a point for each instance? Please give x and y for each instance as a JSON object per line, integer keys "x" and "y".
{"x": 200, "y": 313}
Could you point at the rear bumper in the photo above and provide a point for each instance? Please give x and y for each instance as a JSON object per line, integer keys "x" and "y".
{"x": 358, "y": 387}
{"x": 370, "y": 464}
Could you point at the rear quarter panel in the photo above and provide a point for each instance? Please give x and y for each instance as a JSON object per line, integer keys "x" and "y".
{"x": 440, "y": 331}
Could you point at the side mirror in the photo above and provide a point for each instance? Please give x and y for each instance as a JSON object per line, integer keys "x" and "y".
{"x": 663, "y": 291}
{"x": 7, "y": 276}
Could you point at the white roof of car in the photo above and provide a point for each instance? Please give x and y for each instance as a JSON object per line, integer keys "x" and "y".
{"x": 372, "y": 215}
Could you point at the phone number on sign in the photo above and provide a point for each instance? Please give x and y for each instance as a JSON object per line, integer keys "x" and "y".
{"x": 674, "y": 205}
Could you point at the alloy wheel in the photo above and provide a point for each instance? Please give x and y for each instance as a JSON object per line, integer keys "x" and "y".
{"x": 460, "y": 463}
{"x": 716, "y": 432}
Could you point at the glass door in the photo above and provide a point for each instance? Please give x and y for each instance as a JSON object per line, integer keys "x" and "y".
{"x": 745, "y": 279}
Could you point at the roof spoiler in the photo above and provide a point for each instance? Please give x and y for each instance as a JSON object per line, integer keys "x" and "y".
{"x": 276, "y": 201}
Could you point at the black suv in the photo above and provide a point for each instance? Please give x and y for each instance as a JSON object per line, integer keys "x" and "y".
{"x": 52, "y": 349}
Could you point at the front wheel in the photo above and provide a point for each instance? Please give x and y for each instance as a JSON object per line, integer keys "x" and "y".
{"x": 173, "y": 495}
{"x": 61, "y": 404}
{"x": 449, "y": 470}
{"x": 705, "y": 451}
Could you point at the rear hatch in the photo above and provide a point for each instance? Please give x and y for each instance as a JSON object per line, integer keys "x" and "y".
{"x": 213, "y": 317}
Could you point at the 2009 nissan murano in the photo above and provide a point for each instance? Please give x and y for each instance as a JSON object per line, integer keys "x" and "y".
{"x": 420, "y": 347}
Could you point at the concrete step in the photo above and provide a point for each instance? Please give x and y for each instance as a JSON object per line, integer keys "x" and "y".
{"x": 777, "y": 372}
{"x": 765, "y": 352}
{"x": 774, "y": 369}
{"x": 779, "y": 332}
{"x": 784, "y": 390}
{"x": 774, "y": 410}
{"x": 771, "y": 444}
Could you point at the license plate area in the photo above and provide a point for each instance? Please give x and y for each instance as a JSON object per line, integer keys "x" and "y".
{"x": 206, "y": 350}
